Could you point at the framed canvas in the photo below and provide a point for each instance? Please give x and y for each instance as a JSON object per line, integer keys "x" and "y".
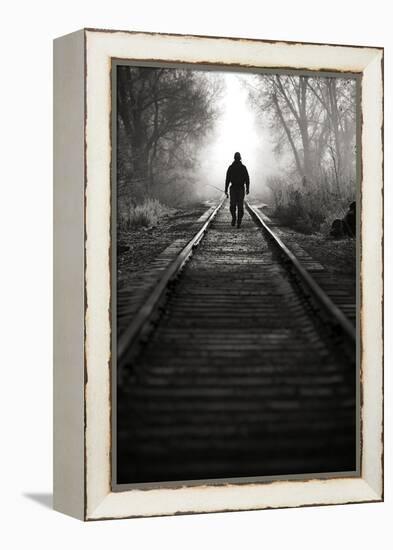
{"x": 218, "y": 268}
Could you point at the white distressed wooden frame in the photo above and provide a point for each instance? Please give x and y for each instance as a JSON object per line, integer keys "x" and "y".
{"x": 82, "y": 108}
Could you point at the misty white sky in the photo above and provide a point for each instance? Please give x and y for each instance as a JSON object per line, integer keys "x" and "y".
{"x": 237, "y": 130}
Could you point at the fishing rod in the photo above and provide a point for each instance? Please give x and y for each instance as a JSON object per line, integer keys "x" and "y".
{"x": 210, "y": 184}
{"x": 215, "y": 187}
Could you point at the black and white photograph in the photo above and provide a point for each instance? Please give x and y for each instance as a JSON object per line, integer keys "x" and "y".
{"x": 196, "y": 299}
{"x": 235, "y": 274}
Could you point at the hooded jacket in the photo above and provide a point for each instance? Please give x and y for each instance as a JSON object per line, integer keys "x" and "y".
{"x": 237, "y": 175}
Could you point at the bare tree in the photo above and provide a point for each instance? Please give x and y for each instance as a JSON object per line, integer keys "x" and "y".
{"x": 312, "y": 120}
{"x": 337, "y": 96}
{"x": 160, "y": 112}
{"x": 316, "y": 116}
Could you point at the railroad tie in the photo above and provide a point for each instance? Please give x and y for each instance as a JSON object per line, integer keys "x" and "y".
{"x": 236, "y": 379}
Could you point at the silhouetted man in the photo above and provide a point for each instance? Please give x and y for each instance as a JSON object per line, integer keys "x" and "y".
{"x": 238, "y": 177}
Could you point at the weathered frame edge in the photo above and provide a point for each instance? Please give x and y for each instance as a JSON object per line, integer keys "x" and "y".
{"x": 374, "y": 495}
{"x": 69, "y": 277}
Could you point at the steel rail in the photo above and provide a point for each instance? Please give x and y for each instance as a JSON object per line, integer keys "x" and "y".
{"x": 146, "y": 312}
{"x": 336, "y": 316}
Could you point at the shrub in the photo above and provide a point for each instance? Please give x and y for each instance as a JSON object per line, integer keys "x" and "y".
{"x": 336, "y": 212}
{"x": 146, "y": 214}
{"x": 307, "y": 209}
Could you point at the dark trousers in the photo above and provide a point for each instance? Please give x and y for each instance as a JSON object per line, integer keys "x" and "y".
{"x": 236, "y": 200}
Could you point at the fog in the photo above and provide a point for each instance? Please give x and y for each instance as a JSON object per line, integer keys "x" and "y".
{"x": 178, "y": 130}
{"x": 237, "y": 128}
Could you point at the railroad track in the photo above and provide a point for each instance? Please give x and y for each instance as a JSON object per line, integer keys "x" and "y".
{"x": 237, "y": 365}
